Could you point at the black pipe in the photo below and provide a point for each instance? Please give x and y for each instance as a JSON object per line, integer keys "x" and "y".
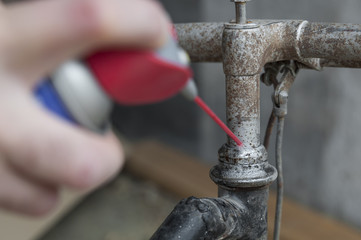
{"x": 240, "y": 214}
{"x": 194, "y": 219}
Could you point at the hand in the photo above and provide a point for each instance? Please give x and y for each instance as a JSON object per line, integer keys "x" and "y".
{"x": 39, "y": 152}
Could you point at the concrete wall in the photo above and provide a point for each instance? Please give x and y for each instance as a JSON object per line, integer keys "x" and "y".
{"x": 322, "y": 146}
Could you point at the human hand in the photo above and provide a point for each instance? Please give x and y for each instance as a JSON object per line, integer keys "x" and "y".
{"x": 39, "y": 152}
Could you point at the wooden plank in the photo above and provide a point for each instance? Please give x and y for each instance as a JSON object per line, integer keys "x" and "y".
{"x": 184, "y": 176}
{"x": 173, "y": 170}
{"x": 18, "y": 227}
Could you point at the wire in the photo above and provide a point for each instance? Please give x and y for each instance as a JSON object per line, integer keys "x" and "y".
{"x": 280, "y": 186}
{"x": 269, "y": 129}
{"x": 280, "y": 100}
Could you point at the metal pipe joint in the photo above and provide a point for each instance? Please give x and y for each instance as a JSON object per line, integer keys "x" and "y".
{"x": 241, "y": 216}
{"x": 246, "y": 168}
{"x": 206, "y": 218}
{"x": 315, "y": 45}
{"x": 243, "y": 173}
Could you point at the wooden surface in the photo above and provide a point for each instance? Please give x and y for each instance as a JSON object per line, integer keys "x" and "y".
{"x": 185, "y": 176}
{"x": 18, "y": 227}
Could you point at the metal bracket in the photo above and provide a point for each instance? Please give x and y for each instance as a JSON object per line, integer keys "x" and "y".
{"x": 289, "y": 69}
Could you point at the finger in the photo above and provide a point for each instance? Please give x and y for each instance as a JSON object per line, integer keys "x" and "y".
{"x": 50, "y": 150}
{"x": 23, "y": 195}
{"x": 57, "y": 30}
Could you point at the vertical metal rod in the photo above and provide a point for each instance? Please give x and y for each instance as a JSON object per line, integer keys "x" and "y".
{"x": 241, "y": 14}
{"x": 243, "y": 114}
{"x": 280, "y": 189}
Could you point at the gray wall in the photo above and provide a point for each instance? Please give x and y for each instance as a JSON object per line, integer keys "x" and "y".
{"x": 322, "y": 146}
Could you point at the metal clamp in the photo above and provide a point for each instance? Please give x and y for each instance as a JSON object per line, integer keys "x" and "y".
{"x": 289, "y": 71}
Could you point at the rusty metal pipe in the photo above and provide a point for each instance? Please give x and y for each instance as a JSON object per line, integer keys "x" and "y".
{"x": 211, "y": 218}
{"x": 243, "y": 111}
{"x": 331, "y": 41}
{"x": 243, "y": 174}
{"x": 246, "y": 51}
{"x": 338, "y": 45}
{"x": 202, "y": 41}
{"x": 340, "y": 63}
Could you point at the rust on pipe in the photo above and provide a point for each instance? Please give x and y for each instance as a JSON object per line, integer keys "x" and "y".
{"x": 331, "y": 41}
{"x": 202, "y": 41}
{"x": 243, "y": 109}
{"x": 340, "y": 63}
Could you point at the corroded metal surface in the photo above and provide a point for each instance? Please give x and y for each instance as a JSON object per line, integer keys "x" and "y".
{"x": 340, "y": 63}
{"x": 339, "y": 45}
{"x": 331, "y": 41}
{"x": 242, "y": 109}
{"x": 243, "y": 173}
{"x": 244, "y": 167}
{"x": 238, "y": 177}
{"x": 207, "y": 218}
{"x": 241, "y": 216}
{"x": 251, "y": 49}
{"x": 202, "y": 41}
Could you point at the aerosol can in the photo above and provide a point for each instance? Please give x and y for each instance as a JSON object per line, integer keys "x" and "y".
{"x": 83, "y": 92}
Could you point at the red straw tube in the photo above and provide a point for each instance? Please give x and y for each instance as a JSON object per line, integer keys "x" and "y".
{"x": 204, "y": 106}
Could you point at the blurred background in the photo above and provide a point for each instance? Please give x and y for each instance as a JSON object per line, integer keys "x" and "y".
{"x": 322, "y": 143}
